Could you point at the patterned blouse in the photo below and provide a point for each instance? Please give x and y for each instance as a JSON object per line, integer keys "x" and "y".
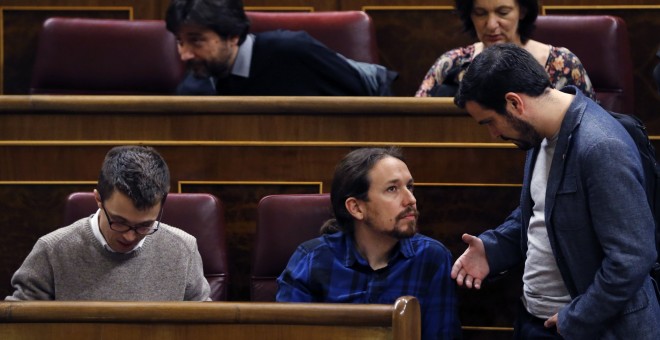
{"x": 562, "y": 65}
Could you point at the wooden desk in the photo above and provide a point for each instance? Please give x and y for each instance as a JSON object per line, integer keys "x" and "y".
{"x": 243, "y": 148}
{"x": 208, "y": 320}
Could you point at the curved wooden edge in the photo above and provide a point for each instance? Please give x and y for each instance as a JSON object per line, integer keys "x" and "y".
{"x": 228, "y": 104}
{"x": 406, "y": 319}
{"x": 199, "y": 312}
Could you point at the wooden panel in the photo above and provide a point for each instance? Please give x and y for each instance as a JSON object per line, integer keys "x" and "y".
{"x": 153, "y": 9}
{"x": 410, "y": 39}
{"x": 360, "y": 4}
{"x": 194, "y": 331}
{"x": 594, "y": 3}
{"x": 211, "y": 320}
{"x": 290, "y": 5}
{"x": 214, "y": 119}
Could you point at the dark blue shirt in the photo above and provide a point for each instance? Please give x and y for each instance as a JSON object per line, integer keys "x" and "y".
{"x": 330, "y": 269}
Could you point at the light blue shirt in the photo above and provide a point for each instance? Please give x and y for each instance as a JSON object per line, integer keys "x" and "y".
{"x": 243, "y": 60}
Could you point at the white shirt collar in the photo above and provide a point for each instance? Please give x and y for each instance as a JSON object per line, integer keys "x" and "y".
{"x": 243, "y": 60}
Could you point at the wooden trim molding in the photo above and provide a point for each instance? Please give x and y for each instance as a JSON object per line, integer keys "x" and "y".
{"x": 280, "y": 8}
{"x": 544, "y": 9}
{"x": 311, "y": 144}
{"x": 407, "y": 8}
{"x": 180, "y": 184}
{"x": 229, "y": 104}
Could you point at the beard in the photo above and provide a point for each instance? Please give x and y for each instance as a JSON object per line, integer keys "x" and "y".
{"x": 529, "y": 137}
{"x": 399, "y": 232}
{"x": 205, "y": 69}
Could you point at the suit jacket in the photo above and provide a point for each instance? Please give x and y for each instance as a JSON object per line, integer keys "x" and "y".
{"x": 599, "y": 225}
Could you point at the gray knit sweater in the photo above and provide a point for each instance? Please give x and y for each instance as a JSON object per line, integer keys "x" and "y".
{"x": 71, "y": 264}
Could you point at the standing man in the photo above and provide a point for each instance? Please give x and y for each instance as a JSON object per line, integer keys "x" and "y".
{"x": 584, "y": 229}
{"x": 371, "y": 251}
{"x": 122, "y": 252}
{"x": 223, "y": 59}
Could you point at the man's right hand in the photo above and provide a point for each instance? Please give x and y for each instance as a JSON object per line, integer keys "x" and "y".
{"x": 472, "y": 267}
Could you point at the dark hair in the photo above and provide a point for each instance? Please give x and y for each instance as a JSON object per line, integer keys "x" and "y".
{"x": 499, "y": 69}
{"x": 528, "y": 8}
{"x": 138, "y": 172}
{"x": 225, "y": 17}
{"x": 351, "y": 179}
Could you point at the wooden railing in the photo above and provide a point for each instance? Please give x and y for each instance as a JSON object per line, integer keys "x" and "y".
{"x": 208, "y": 320}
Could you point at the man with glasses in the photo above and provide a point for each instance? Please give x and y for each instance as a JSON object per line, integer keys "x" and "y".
{"x": 123, "y": 253}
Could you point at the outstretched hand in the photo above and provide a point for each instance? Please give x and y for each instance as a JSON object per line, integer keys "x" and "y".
{"x": 472, "y": 267}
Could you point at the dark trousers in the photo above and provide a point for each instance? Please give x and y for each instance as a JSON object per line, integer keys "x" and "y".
{"x": 528, "y": 326}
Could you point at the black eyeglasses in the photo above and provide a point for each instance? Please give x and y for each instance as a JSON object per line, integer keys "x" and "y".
{"x": 145, "y": 228}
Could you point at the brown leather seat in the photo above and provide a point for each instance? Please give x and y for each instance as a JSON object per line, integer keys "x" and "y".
{"x": 200, "y": 215}
{"x": 601, "y": 42}
{"x": 350, "y": 33}
{"x": 103, "y": 56}
{"x": 283, "y": 223}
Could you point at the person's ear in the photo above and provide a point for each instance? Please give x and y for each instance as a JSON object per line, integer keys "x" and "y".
{"x": 354, "y": 208}
{"x": 514, "y": 103}
{"x": 97, "y": 197}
